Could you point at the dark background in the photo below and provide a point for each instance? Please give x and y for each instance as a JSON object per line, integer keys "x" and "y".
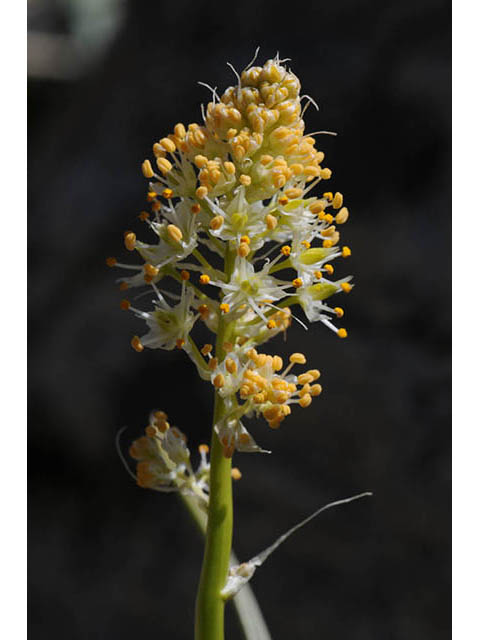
{"x": 109, "y": 560}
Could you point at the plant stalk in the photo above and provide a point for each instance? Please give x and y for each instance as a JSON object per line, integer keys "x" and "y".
{"x": 210, "y": 606}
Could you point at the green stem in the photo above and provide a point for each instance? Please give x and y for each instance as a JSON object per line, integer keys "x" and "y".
{"x": 210, "y": 604}
{"x": 248, "y": 611}
{"x": 209, "y": 612}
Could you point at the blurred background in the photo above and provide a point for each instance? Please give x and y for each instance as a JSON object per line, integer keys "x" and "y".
{"x": 106, "y": 78}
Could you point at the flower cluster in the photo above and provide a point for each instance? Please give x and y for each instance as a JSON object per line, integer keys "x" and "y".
{"x": 163, "y": 461}
{"x": 233, "y": 222}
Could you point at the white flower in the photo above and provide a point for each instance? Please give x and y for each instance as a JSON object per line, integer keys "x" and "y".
{"x": 169, "y": 326}
{"x": 249, "y": 289}
{"x": 240, "y": 218}
{"x": 311, "y": 299}
{"x": 177, "y": 236}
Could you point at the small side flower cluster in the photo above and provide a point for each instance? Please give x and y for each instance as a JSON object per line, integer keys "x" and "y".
{"x": 234, "y": 223}
{"x": 163, "y": 461}
{"x": 252, "y": 383}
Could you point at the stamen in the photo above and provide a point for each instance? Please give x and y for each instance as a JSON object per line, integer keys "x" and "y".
{"x": 136, "y": 344}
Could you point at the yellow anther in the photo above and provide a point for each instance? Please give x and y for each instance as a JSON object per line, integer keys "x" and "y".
{"x": 203, "y": 448}
{"x": 200, "y": 161}
{"x": 164, "y": 165}
{"x": 342, "y": 333}
{"x": 328, "y": 195}
{"x": 245, "y": 390}
{"x": 271, "y": 324}
{"x": 316, "y": 390}
{"x": 231, "y": 133}
{"x": 158, "y": 150}
{"x": 271, "y": 412}
{"x": 212, "y": 365}
{"x": 306, "y": 244}
{"x": 219, "y": 380}
{"x": 167, "y": 193}
{"x": 130, "y": 239}
{"x": 229, "y": 168}
{"x": 151, "y": 195}
{"x": 204, "y": 278}
{"x": 231, "y": 365}
{"x": 346, "y": 252}
{"x": 195, "y": 208}
{"x": 151, "y": 431}
{"x": 305, "y": 401}
{"x": 243, "y": 250}
{"x": 259, "y": 398}
{"x": 206, "y": 349}
{"x": 304, "y": 378}
{"x": 326, "y": 174}
{"x": 297, "y": 168}
{"x": 286, "y": 250}
{"x": 328, "y": 268}
{"x": 346, "y": 287}
{"x": 329, "y": 231}
{"x": 111, "y": 262}
{"x": 201, "y": 192}
{"x": 245, "y": 239}
{"x": 144, "y": 215}
{"x": 327, "y": 244}
{"x": 314, "y": 373}
{"x": 174, "y": 233}
{"x": 125, "y": 305}
{"x": 317, "y": 207}
{"x": 179, "y": 130}
{"x": 150, "y": 270}
{"x": 283, "y": 200}
{"x": 297, "y": 283}
{"x": 184, "y": 274}
{"x": 203, "y": 310}
{"x": 180, "y": 342}
{"x": 286, "y": 409}
{"x": 148, "y": 279}
{"x": 252, "y": 354}
{"x": 318, "y": 275}
{"x": 136, "y": 344}
{"x": 342, "y": 216}
{"x": 297, "y": 358}
{"x": 147, "y": 169}
{"x": 275, "y": 423}
{"x": 328, "y": 218}
{"x": 266, "y": 159}
{"x": 305, "y": 389}
{"x": 277, "y": 363}
{"x": 337, "y": 200}
{"x": 339, "y": 312}
{"x": 236, "y": 473}
{"x": 168, "y": 145}
{"x": 156, "y": 206}
{"x": 245, "y": 180}
{"x": 216, "y": 222}
{"x": 294, "y": 192}
{"x": 271, "y": 222}
{"x": 279, "y": 181}
{"x": 224, "y": 307}
{"x": 261, "y": 359}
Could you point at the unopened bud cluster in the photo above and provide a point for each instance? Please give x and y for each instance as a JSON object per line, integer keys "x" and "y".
{"x": 237, "y": 190}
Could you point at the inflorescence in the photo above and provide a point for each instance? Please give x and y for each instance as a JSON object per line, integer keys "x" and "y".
{"x": 238, "y": 187}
